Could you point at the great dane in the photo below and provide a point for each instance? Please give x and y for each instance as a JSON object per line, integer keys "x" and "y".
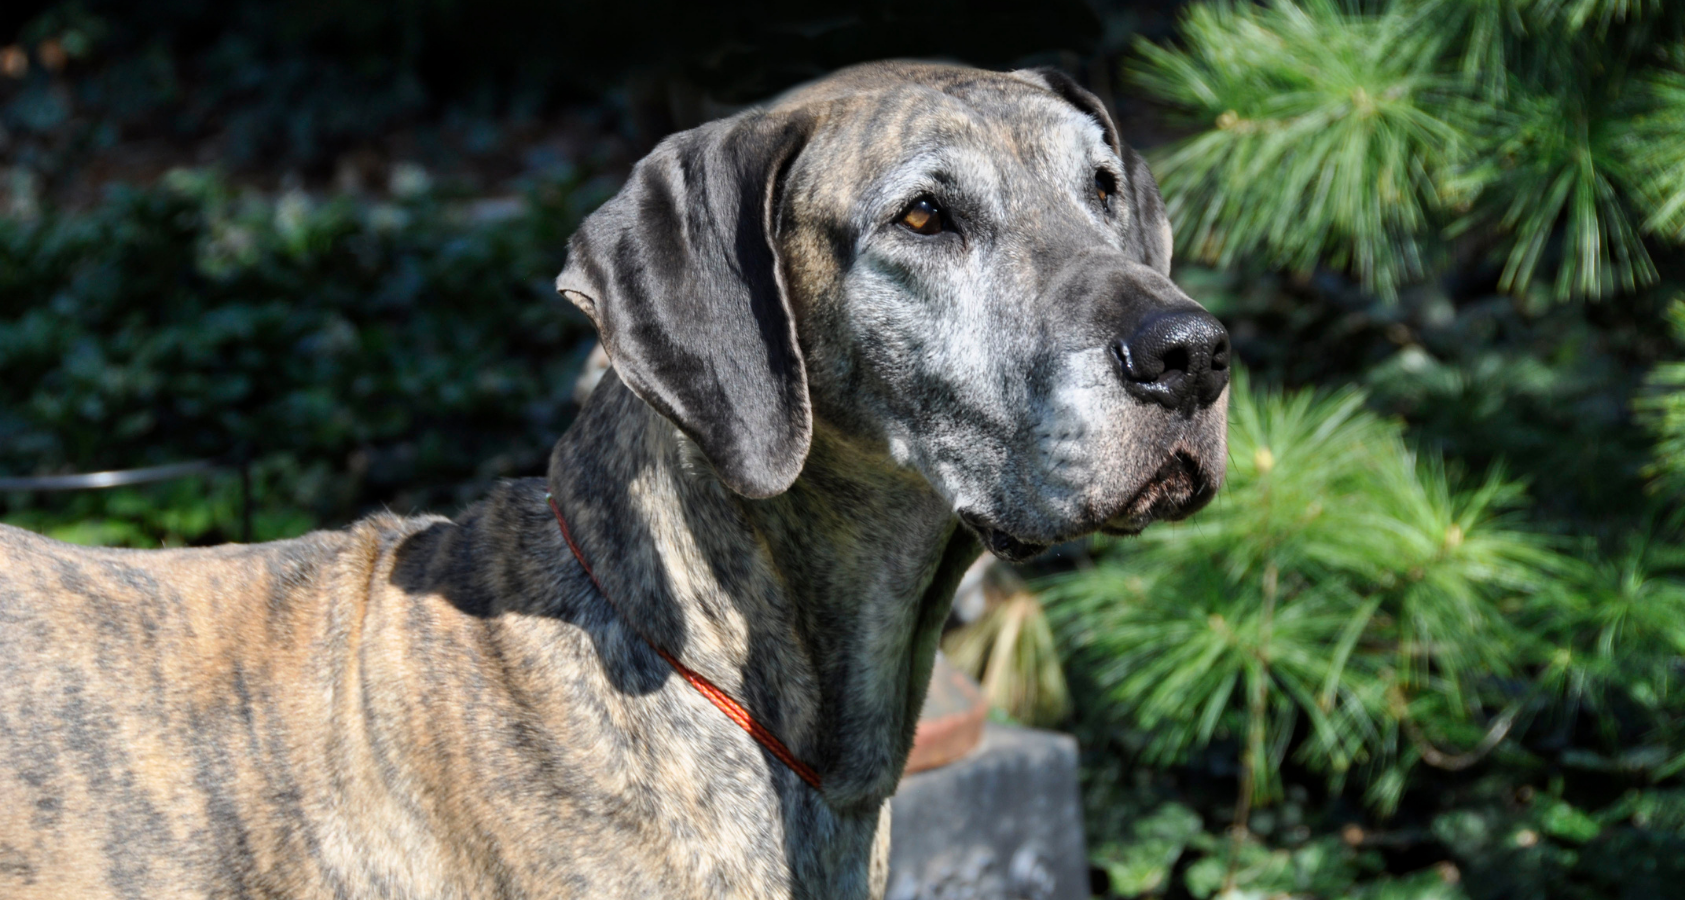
{"x": 898, "y": 316}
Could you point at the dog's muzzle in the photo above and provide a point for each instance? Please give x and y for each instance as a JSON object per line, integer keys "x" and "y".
{"x": 1180, "y": 488}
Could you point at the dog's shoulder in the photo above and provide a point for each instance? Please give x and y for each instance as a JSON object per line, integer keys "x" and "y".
{"x": 496, "y": 555}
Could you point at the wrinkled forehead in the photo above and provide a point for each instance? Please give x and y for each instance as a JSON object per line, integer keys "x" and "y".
{"x": 980, "y": 139}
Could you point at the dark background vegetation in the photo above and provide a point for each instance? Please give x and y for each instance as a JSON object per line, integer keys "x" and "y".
{"x": 1428, "y": 644}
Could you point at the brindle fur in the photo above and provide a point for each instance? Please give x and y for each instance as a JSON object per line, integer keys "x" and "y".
{"x": 431, "y": 708}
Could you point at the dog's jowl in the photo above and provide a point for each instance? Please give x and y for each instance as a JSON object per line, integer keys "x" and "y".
{"x": 895, "y": 318}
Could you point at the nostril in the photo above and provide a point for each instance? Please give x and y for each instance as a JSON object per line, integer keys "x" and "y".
{"x": 1176, "y": 359}
{"x": 1220, "y": 355}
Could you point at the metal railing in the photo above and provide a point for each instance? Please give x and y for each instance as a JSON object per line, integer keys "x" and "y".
{"x": 93, "y": 481}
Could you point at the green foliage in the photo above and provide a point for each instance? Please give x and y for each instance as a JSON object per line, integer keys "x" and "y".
{"x": 1551, "y": 169}
{"x": 1322, "y": 119}
{"x": 1351, "y": 609}
{"x": 1664, "y": 410}
{"x": 1322, "y": 868}
{"x": 1545, "y": 846}
{"x": 1544, "y": 389}
{"x": 1658, "y": 164}
{"x": 201, "y": 509}
{"x": 1577, "y": 14}
{"x": 1339, "y": 583}
{"x": 1543, "y": 394}
{"x": 1368, "y": 136}
{"x": 1351, "y": 612}
{"x": 1143, "y": 861}
{"x": 1608, "y": 639}
{"x": 399, "y": 353}
{"x": 1167, "y": 850}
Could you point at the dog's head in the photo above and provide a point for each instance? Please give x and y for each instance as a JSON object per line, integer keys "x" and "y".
{"x": 967, "y": 269}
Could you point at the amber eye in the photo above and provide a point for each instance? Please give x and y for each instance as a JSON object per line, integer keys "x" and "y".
{"x": 923, "y": 217}
{"x": 1104, "y": 187}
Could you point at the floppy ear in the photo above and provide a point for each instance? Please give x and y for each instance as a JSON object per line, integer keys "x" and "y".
{"x": 1152, "y": 231}
{"x": 680, "y": 273}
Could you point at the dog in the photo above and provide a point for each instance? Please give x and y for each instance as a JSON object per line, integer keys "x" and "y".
{"x": 897, "y": 317}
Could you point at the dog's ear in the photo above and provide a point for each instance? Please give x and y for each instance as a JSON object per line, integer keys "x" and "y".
{"x": 680, "y": 273}
{"x": 1152, "y": 231}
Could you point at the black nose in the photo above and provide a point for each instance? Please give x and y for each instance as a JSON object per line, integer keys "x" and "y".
{"x": 1176, "y": 358}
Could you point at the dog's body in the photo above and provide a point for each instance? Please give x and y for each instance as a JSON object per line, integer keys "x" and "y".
{"x": 434, "y": 709}
{"x": 816, "y": 412}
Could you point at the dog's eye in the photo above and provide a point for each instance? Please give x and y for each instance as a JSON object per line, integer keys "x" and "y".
{"x": 1104, "y": 188}
{"x": 923, "y": 217}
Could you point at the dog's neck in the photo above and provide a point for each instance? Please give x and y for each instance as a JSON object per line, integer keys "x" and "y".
{"x": 819, "y": 609}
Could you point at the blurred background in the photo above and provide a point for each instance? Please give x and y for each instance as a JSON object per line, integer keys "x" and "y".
{"x": 1428, "y": 643}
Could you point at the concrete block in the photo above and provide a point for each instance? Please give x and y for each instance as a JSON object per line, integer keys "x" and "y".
{"x": 1004, "y": 823}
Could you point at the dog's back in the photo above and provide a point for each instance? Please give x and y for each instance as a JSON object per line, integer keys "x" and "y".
{"x": 157, "y": 708}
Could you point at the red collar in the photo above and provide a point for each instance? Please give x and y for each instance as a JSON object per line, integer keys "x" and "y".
{"x": 733, "y": 710}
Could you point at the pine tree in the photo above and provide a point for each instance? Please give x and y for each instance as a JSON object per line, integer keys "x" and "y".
{"x": 1384, "y": 138}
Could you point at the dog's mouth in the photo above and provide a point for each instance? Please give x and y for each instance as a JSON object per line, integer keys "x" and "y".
{"x": 999, "y": 542}
{"x": 1177, "y": 490}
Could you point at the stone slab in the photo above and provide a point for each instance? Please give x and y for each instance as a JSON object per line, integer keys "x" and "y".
{"x": 1004, "y": 823}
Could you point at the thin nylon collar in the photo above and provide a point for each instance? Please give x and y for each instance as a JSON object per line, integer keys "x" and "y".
{"x": 733, "y": 710}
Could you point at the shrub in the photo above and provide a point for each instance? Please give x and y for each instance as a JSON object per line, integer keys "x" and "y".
{"x": 400, "y": 354}
{"x": 1338, "y": 580}
{"x": 1363, "y": 136}
{"x": 1350, "y": 608}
